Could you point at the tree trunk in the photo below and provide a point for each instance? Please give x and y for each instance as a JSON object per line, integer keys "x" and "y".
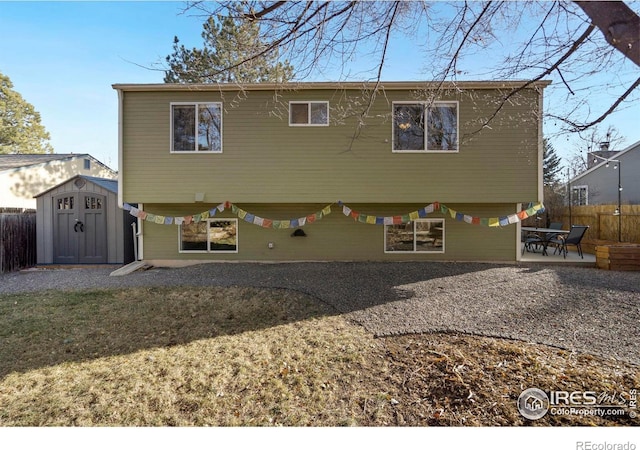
{"x": 619, "y": 25}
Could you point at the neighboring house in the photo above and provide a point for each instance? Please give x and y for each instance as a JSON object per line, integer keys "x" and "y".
{"x": 252, "y": 172}
{"x": 24, "y": 176}
{"x": 599, "y": 184}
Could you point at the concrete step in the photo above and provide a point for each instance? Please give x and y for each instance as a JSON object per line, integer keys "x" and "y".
{"x": 130, "y": 268}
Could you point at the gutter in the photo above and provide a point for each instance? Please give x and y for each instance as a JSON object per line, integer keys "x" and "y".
{"x": 295, "y": 86}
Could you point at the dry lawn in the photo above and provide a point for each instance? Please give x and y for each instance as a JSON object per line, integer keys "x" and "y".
{"x": 239, "y": 356}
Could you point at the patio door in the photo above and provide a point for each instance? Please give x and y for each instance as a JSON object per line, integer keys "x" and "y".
{"x": 79, "y": 229}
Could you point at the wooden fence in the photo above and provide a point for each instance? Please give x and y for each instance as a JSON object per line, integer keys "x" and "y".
{"x": 17, "y": 239}
{"x": 603, "y": 225}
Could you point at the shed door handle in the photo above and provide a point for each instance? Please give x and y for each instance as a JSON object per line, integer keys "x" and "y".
{"x": 81, "y": 225}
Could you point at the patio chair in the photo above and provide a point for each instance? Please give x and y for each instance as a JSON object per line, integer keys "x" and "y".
{"x": 551, "y": 236}
{"x": 573, "y": 238}
{"x": 531, "y": 242}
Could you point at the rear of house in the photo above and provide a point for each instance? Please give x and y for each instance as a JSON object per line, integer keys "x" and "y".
{"x": 329, "y": 171}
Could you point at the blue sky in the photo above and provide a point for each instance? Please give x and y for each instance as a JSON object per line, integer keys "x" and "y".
{"x": 63, "y": 57}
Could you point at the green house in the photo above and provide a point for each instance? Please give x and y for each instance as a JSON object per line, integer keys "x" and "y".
{"x": 330, "y": 171}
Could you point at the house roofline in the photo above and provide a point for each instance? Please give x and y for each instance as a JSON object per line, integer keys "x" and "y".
{"x": 385, "y": 85}
{"x": 62, "y": 157}
{"x": 604, "y": 162}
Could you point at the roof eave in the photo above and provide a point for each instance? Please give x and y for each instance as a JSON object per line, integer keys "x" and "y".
{"x": 387, "y": 85}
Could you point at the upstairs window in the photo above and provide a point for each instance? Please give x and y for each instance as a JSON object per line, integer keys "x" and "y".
{"x": 309, "y": 114}
{"x": 196, "y": 127}
{"x": 419, "y": 127}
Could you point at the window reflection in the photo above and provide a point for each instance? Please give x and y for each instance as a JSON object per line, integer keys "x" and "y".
{"x": 420, "y": 236}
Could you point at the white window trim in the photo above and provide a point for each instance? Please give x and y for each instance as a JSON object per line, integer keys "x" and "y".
{"x": 209, "y": 221}
{"x": 441, "y": 220}
{"x": 426, "y": 120}
{"x": 586, "y": 193}
{"x": 308, "y": 102}
{"x": 193, "y": 152}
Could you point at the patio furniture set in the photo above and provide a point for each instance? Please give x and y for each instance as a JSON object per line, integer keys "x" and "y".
{"x": 536, "y": 238}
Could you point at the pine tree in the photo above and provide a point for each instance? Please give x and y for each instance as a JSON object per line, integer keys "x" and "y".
{"x": 551, "y": 164}
{"x": 20, "y": 127}
{"x": 228, "y": 43}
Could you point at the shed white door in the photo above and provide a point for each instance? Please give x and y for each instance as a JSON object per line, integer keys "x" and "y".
{"x": 79, "y": 229}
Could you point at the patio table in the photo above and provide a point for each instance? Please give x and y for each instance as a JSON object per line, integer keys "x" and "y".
{"x": 545, "y": 234}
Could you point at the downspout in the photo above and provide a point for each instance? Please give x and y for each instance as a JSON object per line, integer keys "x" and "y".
{"x": 120, "y": 145}
{"x": 540, "y": 149}
{"x": 518, "y": 234}
{"x": 140, "y": 235}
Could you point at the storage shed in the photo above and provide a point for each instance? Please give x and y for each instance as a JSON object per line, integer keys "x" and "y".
{"x": 79, "y": 222}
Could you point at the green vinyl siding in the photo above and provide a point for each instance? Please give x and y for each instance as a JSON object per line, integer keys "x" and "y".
{"x": 264, "y": 160}
{"x": 335, "y": 237}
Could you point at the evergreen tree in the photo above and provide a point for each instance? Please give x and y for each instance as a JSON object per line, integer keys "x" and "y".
{"x": 551, "y": 164}
{"x": 20, "y": 127}
{"x": 225, "y": 56}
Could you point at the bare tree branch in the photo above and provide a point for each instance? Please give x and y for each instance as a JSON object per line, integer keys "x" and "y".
{"x": 455, "y": 56}
{"x": 374, "y": 91}
{"x": 312, "y": 33}
{"x": 546, "y": 72}
{"x": 582, "y": 127}
{"x": 265, "y": 11}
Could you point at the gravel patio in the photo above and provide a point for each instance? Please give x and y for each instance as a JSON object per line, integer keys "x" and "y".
{"x": 576, "y": 308}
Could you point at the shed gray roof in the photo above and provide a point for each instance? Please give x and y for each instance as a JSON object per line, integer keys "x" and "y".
{"x": 105, "y": 183}
{"x": 17, "y": 161}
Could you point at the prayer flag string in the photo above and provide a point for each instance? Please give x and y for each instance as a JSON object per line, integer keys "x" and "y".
{"x": 254, "y": 219}
{"x": 532, "y": 210}
{"x": 239, "y": 212}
